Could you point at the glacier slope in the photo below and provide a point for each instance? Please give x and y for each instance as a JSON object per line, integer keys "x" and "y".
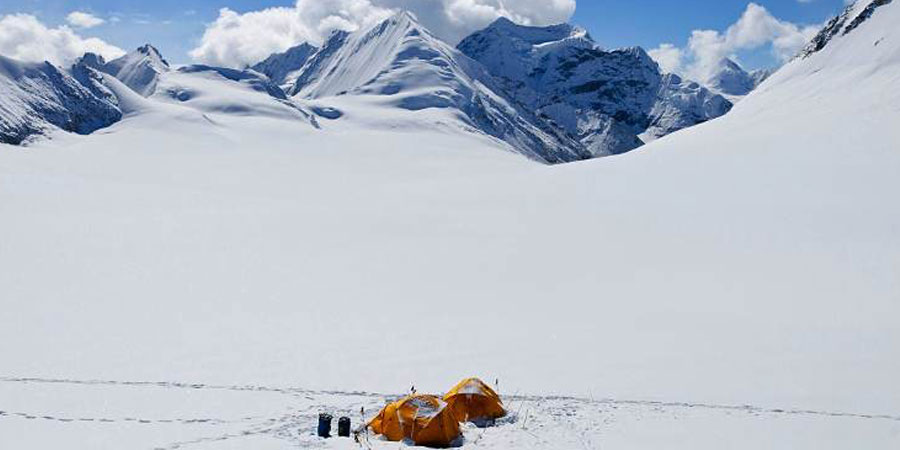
{"x": 749, "y": 260}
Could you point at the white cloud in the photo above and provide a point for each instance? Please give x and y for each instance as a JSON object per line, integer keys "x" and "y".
{"x": 668, "y": 56}
{"x": 81, "y": 19}
{"x": 24, "y": 37}
{"x": 239, "y": 39}
{"x": 455, "y": 19}
{"x": 756, "y": 28}
{"x": 236, "y": 39}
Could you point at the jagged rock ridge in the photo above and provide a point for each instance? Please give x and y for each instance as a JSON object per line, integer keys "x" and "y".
{"x": 850, "y": 19}
{"x": 38, "y": 97}
{"x": 605, "y": 98}
{"x": 284, "y": 68}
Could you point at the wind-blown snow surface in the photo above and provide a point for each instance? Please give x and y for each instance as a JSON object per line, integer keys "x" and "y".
{"x": 750, "y": 260}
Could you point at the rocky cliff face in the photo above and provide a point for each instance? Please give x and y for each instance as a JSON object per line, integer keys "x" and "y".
{"x": 607, "y": 99}
{"x": 36, "y": 98}
{"x": 284, "y": 68}
{"x": 850, "y": 19}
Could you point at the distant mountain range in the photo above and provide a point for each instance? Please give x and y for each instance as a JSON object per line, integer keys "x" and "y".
{"x": 549, "y": 93}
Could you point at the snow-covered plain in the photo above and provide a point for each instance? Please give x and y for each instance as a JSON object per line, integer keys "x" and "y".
{"x": 105, "y": 414}
{"x": 752, "y": 260}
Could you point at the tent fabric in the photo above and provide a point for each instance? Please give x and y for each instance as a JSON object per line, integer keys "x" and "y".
{"x": 472, "y": 400}
{"x": 426, "y": 420}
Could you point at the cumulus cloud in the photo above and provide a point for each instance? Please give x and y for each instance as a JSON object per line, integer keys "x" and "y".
{"x": 236, "y": 39}
{"x": 24, "y": 37}
{"x": 240, "y": 39}
{"x": 453, "y": 20}
{"x": 756, "y": 28}
{"x": 83, "y": 20}
{"x": 668, "y": 56}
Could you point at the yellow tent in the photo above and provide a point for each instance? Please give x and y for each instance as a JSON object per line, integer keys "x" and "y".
{"x": 424, "y": 419}
{"x": 472, "y": 401}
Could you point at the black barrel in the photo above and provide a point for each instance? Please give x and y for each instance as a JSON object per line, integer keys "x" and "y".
{"x": 325, "y": 425}
{"x": 344, "y": 427}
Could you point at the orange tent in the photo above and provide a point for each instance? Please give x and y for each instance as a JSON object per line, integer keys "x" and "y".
{"x": 473, "y": 401}
{"x": 424, "y": 419}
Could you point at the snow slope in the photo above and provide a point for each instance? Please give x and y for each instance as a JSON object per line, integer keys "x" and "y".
{"x": 229, "y": 92}
{"x": 750, "y": 260}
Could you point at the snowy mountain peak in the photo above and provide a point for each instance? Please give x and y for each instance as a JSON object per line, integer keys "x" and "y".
{"x": 151, "y": 51}
{"x": 404, "y": 17}
{"x": 730, "y": 78}
{"x": 91, "y": 60}
{"x": 537, "y": 35}
{"x": 284, "y": 68}
{"x": 139, "y": 70}
{"x": 727, "y": 64}
{"x": 641, "y": 55}
{"x": 606, "y": 99}
{"x": 353, "y": 61}
{"x": 401, "y": 22}
{"x": 399, "y": 64}
{"x": 36, "y": 98}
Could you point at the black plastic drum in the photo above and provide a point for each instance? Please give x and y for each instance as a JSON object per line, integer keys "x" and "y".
{"x": 344, "y": 427}
{"x": 324, "y": 430}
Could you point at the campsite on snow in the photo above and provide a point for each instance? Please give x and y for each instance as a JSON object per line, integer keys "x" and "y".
{"x": 313, "y": 248}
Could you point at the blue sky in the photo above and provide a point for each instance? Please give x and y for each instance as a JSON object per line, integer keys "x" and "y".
{"x": 650, "y": 22}
{"x": 176, "y": 26}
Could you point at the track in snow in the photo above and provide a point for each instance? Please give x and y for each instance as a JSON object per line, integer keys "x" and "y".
{"x": 258, "y": 416}
{"x": 510, "y": 399}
